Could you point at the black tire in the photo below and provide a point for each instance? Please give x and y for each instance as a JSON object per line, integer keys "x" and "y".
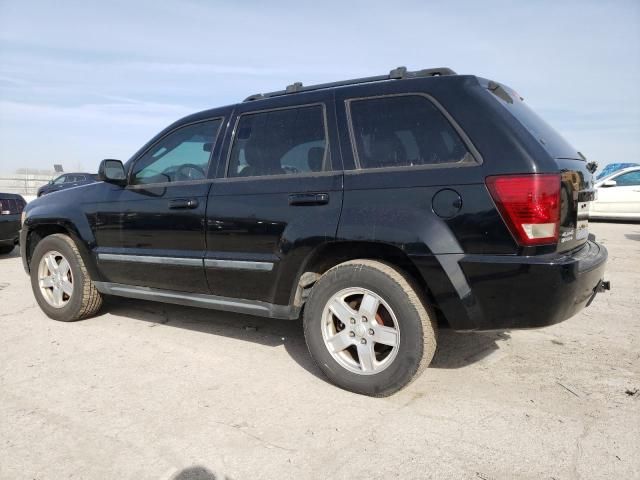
{"x": 417, "y": 326}
{"x": 6, "y": 249}
{"x": 85, "y": 299}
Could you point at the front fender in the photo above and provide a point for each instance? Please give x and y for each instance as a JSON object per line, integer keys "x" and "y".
{"x": 60, "y": 213}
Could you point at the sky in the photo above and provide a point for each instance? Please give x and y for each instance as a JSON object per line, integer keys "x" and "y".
{"x": 85, "y": 80}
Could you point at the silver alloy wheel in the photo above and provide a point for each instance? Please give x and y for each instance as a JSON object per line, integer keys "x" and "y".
{"x": 360, "y": 331}
{"x": 55, "y": 279}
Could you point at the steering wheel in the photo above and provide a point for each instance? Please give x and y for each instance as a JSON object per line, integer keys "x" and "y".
{"x": 190, "y": 171}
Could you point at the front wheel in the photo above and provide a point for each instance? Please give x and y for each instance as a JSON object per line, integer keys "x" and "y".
{"x": 60, "y": 281}
{"x": 367, "y": 328}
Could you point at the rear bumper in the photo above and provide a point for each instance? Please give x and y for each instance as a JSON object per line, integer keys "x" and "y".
{"x": 508, "y": 292}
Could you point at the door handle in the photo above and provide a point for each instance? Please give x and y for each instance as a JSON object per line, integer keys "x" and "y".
{"x": 183, "y": 203}
{"x": 308, "y": 199}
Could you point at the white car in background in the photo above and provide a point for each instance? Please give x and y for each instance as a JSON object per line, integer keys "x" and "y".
{"x": 618, "y": 196}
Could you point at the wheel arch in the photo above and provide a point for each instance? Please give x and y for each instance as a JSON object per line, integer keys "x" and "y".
{"x": 328, "y": 255}
{"x": 39, "y": 230}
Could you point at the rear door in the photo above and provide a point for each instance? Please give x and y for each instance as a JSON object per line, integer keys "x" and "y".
{"x": 151, "y": 232}
{"x": 279, "y": 195}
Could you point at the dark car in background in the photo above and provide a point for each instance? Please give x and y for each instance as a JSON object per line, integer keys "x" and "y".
{"x": 67, "y": 180}
{"x": 11, "y": 207}
{"x": 372, "y": 209}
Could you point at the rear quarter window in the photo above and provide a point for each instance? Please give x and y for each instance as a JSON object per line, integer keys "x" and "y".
{"x": 403, "y": 131}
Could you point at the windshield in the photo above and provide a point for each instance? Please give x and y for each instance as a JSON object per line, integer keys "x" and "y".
{"x": 610, "y": 169}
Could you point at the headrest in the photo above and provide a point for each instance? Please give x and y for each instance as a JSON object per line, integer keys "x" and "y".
{"x": 315, "y": 158}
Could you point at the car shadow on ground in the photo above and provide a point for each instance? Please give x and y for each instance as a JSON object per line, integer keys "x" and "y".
{"x": 196, "y": 472}
{"x": 455, "y": 350}
{"x": 633, "y": 236}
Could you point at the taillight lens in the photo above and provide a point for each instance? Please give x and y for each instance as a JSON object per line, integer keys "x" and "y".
{"x": 530, "y": 206}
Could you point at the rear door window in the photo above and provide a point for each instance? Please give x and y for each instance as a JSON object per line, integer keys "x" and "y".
{"x": 403, "y": 131}
{"x": 280, "y": 142}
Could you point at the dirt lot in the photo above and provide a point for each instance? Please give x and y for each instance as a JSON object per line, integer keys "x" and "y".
{"x": 158, "y": 391}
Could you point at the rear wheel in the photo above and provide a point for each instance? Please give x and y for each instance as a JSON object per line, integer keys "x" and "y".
{"x": 367, "y": 328}
{"x": 60, "y": 281}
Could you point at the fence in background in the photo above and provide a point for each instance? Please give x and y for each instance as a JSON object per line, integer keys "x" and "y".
{"x": 24, "y": 183}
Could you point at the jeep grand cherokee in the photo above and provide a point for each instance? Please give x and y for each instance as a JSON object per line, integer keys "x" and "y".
{"x": 371, "y": 208}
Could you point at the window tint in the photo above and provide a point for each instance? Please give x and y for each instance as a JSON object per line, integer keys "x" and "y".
{"x": 402, "y": 131}
{"x": 279, "y": 142}
{"x": 627, "y": 179}
{"x": 60, "y": 179}
{"x": 180, "y": 156}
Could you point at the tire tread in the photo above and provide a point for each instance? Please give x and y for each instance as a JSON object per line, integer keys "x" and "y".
{"x": 91, "y": 298}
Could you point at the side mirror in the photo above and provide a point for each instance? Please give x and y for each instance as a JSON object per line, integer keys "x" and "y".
{"x": 609, "y": 183}
{"x": 112, "y": 171}
{"x": 50, "y": 182}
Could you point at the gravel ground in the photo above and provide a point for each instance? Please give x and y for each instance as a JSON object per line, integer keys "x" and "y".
{"x": 158, "y": 391}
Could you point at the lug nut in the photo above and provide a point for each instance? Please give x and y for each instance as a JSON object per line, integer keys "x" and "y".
{"x": 351, "y": 334}
{"x": 363, "y": 341}
{"x": 364, "y": 319}
{"x": 371, "y": 332}
{"x": 353, "y": 320}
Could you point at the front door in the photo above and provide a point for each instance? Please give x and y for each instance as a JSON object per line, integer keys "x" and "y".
{"x": 279, "y": 198}
{"x": 151, "y": 233}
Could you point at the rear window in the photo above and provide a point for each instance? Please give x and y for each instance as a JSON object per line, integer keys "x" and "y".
{"x": 403, "y": 131}
{"x": 550, "y": 139}
{"x": 11, "y": 206}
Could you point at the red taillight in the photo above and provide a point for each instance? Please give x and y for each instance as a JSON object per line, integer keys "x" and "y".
{"x": 530, "y": 206}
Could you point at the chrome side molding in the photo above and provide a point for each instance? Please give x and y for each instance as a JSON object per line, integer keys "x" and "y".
{"x": 238, "y": 264}
{"x": 189, "y": 262}
{"x": 117, "y": 257}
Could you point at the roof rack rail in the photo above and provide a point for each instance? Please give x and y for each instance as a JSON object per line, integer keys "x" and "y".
{"x": 399, "y": 73}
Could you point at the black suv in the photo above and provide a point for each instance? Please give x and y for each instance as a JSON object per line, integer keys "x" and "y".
{"x": 372, "y": 208}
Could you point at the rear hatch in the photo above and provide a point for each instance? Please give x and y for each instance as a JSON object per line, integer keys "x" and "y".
{"x": 576, "y": 188}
